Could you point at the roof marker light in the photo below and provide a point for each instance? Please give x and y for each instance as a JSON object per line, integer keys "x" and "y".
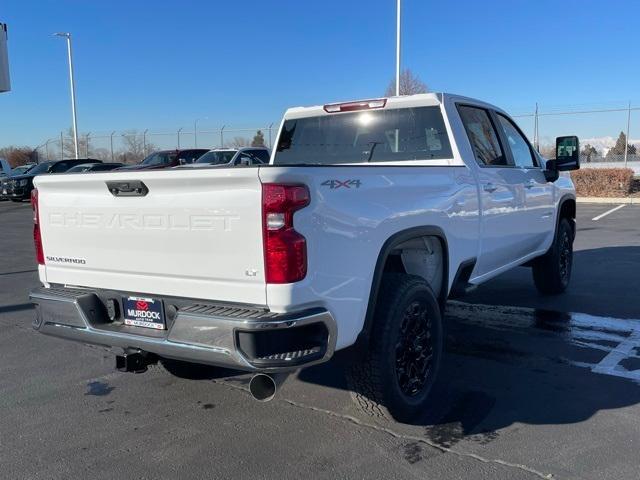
{"x": 355, "y": 106}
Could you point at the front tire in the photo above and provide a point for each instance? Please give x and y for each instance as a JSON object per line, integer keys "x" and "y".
{"x": 394, "y": 377}
{"x": 552, "y": 271}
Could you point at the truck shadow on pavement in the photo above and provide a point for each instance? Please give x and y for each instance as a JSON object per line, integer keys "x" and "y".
{"x": 602, "y": 283}
{"x": 506, "y": 365}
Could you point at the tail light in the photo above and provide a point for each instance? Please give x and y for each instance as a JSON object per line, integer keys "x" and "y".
{"x": 285, "y": 250}
{"x": 37, "y": 237}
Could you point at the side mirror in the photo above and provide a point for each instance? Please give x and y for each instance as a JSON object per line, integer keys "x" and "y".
{"x": 567, "y": 153}
{"x": 567, "y": 157}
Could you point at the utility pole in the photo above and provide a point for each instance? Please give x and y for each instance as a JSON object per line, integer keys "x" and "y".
{"x": 536, "y": 135}
{"x": 73, "y": 90}
{"x": 626, "y": 144}
{"x": 398, "y": 8}
{"x": 112, "y": 134}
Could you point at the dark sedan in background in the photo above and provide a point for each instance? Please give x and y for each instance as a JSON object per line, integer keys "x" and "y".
{"x": 168, "y": 159}
{"x": 21, "y": 170}
{"x": 94, "y": 167}
{"x": 19, "y": 188}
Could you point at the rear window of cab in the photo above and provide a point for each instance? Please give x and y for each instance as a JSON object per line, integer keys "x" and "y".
{"x": 391, "y": 135}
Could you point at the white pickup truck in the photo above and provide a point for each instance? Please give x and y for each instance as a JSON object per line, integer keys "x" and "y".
{"x": 369, "y": 216}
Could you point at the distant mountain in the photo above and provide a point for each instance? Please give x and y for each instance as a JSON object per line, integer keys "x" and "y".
{"x": 604, "y": 144}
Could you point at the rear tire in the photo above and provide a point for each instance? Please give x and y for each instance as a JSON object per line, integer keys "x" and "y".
{"x": 16, "y": 200}
{"x": 552, "y": 271}
{"x": 394, "y": 377}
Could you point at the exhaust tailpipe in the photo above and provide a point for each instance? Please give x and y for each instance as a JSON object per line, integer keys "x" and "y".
{"x": 263, "y": 387}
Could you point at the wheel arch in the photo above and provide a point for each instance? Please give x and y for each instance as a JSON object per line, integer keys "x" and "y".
{"x": 567, "y": 209}
{"x": 381, "y": 262}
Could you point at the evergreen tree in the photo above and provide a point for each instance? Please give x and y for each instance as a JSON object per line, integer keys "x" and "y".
{"x": 618, "y": 149}
{"x": 588, "y": 152}
{"x": 258, "y": 139}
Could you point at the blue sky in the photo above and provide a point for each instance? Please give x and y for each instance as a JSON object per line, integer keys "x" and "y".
{"x": 161, "y": 64}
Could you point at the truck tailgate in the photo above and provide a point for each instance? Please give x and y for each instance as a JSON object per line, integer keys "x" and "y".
{"x": 197, "y": 233}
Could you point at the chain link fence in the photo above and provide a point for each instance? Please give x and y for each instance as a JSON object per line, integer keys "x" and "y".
{"x": 610, "y": 122}
{"x": 131, "y": 146}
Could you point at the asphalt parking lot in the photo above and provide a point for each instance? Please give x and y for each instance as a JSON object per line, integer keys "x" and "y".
{"x": 533, "y": 387}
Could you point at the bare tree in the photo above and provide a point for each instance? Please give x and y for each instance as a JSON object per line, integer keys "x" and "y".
{"x": 17, "y": 156}
{"x": 239, "y": 142}
{"x": 135, "y": 147}
{"x": 410, "y": 84}
{"x": 548, "y": 151}
{"x": 68, "y": 147}
{"x": 103, "y": 154}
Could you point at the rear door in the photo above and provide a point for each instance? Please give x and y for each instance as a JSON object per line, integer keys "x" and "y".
{"x": 538, "y": 191}
{"x": 194, "y": 233}
{"x": 502, "y": 196}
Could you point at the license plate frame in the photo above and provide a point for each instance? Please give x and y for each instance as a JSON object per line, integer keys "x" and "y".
{"x": 144, "y": 312}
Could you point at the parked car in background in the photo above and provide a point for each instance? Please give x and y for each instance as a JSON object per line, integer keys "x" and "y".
{"x": 168, "y": 159}
{"x": 234, "y": 156}
{"x": 19, "y": 187}
{"x": 22, "y": 169}
{"x": 94, "y": 167}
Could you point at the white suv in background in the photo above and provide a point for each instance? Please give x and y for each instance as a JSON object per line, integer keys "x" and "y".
{"x": 233, "y": 157}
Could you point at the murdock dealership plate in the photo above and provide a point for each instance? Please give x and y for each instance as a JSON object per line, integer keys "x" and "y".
{"x": 143, "y": 312}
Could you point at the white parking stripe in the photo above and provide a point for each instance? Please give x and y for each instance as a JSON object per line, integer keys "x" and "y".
{"x": 595, "y": 219}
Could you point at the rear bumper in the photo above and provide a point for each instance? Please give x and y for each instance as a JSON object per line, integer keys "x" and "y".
{"x": 226, "y": 336}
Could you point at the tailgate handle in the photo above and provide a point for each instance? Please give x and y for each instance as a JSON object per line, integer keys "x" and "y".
{"x": 127, "y": 188}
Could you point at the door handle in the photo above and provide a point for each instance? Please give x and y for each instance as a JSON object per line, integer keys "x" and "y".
{"x": 530, "y": 184}
{"x": 489, "y": 187}
{"x": 127, "y": 188}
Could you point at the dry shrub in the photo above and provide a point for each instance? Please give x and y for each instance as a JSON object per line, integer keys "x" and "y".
{"x": 603, "y": 182}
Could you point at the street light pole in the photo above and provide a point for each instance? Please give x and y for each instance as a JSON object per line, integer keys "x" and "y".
{"x": 195, "y": 130}
{"x": 398, "y": 47}
{"x": 626, "y": 144}
{"x": 73, "y": 90}
{"x": 112, "y": 134}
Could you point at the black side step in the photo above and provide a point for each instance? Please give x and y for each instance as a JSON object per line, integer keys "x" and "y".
{"x": 461, "y": 285}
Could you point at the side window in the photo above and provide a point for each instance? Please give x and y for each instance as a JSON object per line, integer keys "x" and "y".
{"x": 261, "y": 155}
{"x": 519, "y": 146}
{"x": 483, "y": 136}
{"x": 191, "y": 156}
{"x": 60, "y": 167}
{"x": 242, "y": 159}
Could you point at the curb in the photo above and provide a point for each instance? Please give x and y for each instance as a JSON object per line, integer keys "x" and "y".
{"x": 611, "y": 200}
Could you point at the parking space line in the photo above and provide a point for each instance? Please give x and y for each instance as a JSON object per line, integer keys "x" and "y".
{"x": 595, "y": 219}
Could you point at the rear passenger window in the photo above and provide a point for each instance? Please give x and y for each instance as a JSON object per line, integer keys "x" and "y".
{"x": 483, "y": 136}
{"x": 261, "y": 155}
{"x": 519, "y": 146}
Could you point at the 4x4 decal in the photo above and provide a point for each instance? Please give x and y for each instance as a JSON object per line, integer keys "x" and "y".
{"x": 335, "y": 184}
